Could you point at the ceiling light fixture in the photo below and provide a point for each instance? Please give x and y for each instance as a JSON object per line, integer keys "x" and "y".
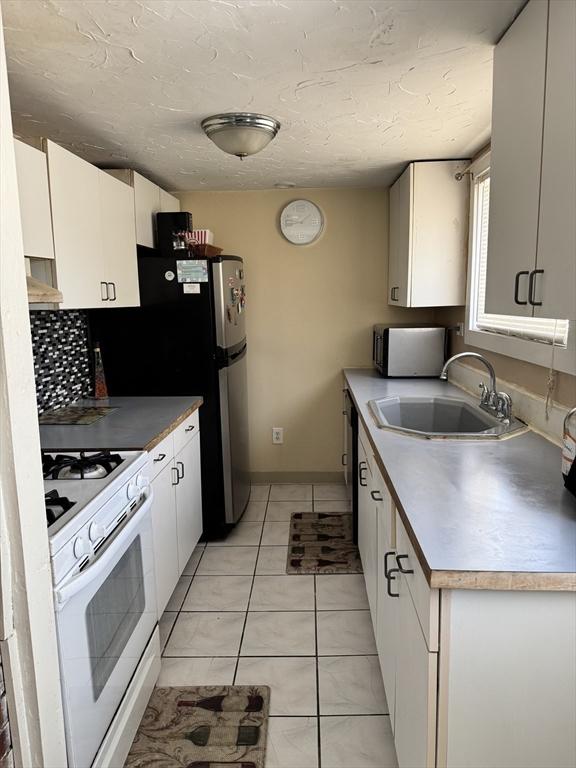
{"x": 240, "y": 133}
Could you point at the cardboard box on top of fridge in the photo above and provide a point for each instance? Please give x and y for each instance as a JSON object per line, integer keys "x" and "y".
{"x": 203, "y": 236}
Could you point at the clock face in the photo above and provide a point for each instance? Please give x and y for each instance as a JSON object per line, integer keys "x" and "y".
{"x": 301, "y": 222}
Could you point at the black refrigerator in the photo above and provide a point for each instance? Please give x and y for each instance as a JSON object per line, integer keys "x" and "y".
{"x": 188, "y": 337}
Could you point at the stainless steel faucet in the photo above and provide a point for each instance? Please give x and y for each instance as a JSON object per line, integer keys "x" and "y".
{"x": 499, "y": 404}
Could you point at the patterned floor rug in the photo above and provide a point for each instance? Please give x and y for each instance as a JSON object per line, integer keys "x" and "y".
{"x": 203, "y": 727}
{"x": 321, "y": 542}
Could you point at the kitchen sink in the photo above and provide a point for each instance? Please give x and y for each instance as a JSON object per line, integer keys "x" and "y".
{"x": 439, "y": 417}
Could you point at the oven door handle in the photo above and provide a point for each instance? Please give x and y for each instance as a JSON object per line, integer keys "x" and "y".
{"x": 63, "y": 594}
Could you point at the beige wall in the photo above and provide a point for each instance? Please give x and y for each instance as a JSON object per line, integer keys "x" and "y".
{"x": 310, "y": 312}
{"x": 532, "y": 378}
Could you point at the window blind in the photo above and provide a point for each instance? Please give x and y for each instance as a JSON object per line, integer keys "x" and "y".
{"x": 541, "y": 329}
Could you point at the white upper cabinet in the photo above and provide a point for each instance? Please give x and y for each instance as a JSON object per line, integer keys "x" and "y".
{"x": 34, "y": 196}
{"x": 428, "y": 236}
{"x": 146, "y": 206}
{"x": 75, "y": 200}
{"x": 120, "y": 262}
{"x": 149, "y": 199}
{"x": 533, "y": 168}
{"x": 556, "y": 254}
{"x": 94, "y": 240}
{"x": 168, "y": 203}
{"x": 517, "y": 109}
{"x": 400, "y": 238}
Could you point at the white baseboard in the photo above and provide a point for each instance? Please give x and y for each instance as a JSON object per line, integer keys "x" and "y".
{"x": 120, "y": 735}
{"x": 526, "y": 406}
{"x": 263, "y": 478}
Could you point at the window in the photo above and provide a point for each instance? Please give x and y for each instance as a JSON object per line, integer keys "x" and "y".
{"x": 535, "y": 329}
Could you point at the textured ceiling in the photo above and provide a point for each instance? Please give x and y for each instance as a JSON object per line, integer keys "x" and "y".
{"x": 360, "y": 86}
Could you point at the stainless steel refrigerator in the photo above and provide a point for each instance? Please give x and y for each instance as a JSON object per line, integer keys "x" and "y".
{"x": 188, "y": 337}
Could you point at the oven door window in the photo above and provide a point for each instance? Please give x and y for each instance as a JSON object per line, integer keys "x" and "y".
{"x": 113, "y": 614}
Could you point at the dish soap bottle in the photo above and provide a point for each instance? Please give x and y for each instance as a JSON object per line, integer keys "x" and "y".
{"x": 100, "y": 388}
{"x": 569, "y": 453}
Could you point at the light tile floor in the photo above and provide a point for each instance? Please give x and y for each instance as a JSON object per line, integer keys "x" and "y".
{"x": 236, "y": 617}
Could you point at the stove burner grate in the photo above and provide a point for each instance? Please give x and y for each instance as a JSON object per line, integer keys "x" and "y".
{"x": 93, "y": 466}
{"x": 56, "y": 506}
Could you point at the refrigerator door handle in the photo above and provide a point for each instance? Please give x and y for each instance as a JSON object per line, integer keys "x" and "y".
{"x": 238, "y": 355}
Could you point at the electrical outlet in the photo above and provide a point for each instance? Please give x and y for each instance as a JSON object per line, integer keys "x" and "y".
{"x": 277, "y": 435}
{"x": 460, "y": 329}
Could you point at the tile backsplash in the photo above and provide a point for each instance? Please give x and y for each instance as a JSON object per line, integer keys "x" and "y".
{"x": 61, "y": 357}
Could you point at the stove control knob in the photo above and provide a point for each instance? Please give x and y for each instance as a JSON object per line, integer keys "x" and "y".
{"x": 142, "y": 481}
{"x": 96, "y": 532}
{"x": 133, "y": 491}
{"x": 81, "y": 547}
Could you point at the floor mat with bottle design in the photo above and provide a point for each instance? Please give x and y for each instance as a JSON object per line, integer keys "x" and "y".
{"x": 203, "y": 727}
{"x": 322, "y": 542}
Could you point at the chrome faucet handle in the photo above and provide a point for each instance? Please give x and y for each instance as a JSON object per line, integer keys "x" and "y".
{"x": 483, "y": 392}
{"x": 503, "y": 406}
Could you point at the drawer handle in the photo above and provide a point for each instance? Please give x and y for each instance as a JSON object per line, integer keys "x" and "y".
{"x": 386, "y": 556}
{"x": 104, "y": 291}
{"x": 389, "y": 580}
{"x": 190, "y": 428}
{"x": 160, "y": 457}
{"x": 400, "y": 566}
{"x": 180, "y": 470}
{"x": 376, "y": 495}
{"x": 175, "y": 469}
{"x": 361, "y": 470}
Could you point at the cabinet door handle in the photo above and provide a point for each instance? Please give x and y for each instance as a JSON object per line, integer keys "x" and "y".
{"x": 175, "y": 469}
{"x": 376, "y": 495}
{"x": 160, "y": 457}
{"x": 180, "y": 469}
{"x": 532, "y": 287}
{"x": 393, "y": 296}
{"x": 389, "y": 580}
{"x": 190, "y": 428}
{"x": 344, "y": 460}
{"x": 517, "y": 286}
{"x": 104, "y": 291}
{"x": 386, "y": 556}
{"x": 361, "y": 470}
{"x": 400, "y": 566}
{"x": 113, "y": 297}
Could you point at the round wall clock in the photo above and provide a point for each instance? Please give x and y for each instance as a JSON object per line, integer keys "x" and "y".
{"x": 301, "y": 222}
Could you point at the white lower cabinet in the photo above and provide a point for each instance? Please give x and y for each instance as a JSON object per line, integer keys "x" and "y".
{"x": 393, "y": 575}
{"x": 387, "y": 612}
{"x": 188, "y": 500}
{"x": 474, "y": 678}
{"x": 165, "y": 535}
{"x": 176, "y": 511}
{"x": 415, "y": 694}
{"x": 367, "y": 525}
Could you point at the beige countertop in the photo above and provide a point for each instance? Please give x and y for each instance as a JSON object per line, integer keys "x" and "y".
{"x": 135, "y": 424}
{"x": 481, "y": 514}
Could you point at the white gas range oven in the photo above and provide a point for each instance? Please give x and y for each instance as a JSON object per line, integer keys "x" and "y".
{"x": 98, "y": 507}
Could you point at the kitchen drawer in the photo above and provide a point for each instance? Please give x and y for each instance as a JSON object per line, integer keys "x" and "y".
{"x": 426, "y": 600}
{"x": 185, "y": 431}
{"x": 161, "y": 456}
